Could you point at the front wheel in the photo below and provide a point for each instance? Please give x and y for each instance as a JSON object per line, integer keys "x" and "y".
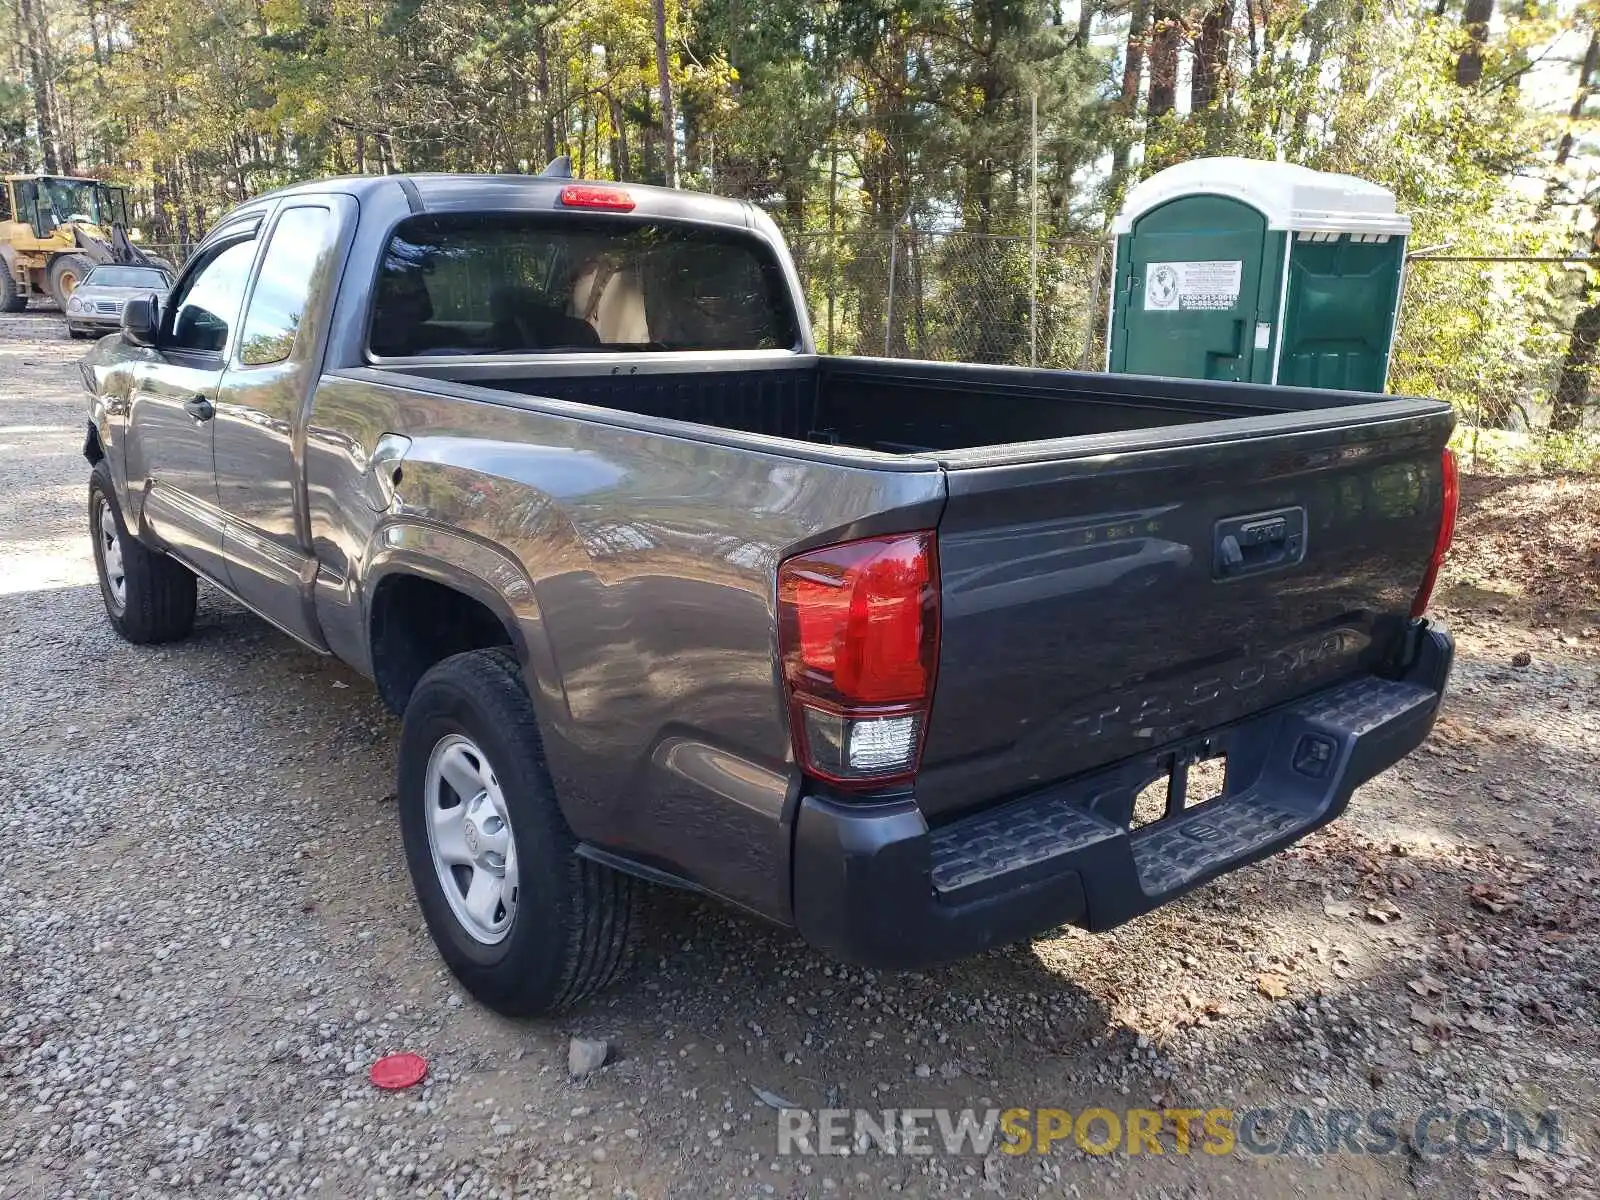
{"x": 148, "y": 596}
{"x": 527, "y": 925}
{"x": 65, "y": 274}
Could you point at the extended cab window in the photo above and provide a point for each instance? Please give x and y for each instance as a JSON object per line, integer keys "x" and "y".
{"x": 283, "y": 285}
{"x": 513, "y": 283}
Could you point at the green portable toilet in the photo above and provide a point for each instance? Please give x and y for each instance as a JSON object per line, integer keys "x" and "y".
{"x": 1263, "y": 272}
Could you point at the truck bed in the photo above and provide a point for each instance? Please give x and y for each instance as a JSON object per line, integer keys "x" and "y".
{"x": 1089, "y": 610}
{"x": 886, "y": 405}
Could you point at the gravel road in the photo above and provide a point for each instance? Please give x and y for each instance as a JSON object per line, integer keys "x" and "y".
{"x": 208, "y": 937}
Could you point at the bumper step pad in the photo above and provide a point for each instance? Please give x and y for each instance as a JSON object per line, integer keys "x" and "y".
{"x": 1289, "y": 772}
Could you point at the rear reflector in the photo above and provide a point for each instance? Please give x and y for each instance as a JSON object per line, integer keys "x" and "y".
{"x": 588, "y": 195}
{"x": 1446, "y": 534}
{"x": 859, "y": 637}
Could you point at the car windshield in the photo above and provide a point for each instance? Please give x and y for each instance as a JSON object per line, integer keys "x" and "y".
{"x": 126, "y": 277}
{"x": 516, "y": 283}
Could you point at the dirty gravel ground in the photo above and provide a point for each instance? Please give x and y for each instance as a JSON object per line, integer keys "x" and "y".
{"x": 208, "y": 934}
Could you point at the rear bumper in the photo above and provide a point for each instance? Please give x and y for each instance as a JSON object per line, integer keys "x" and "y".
{"x": 873, "y": 885}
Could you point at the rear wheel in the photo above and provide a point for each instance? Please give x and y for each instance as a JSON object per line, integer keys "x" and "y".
{"x": 148, "y": 596}
{"x": 12, "y": 298}
{"x": 66, "y": 273}
{"x": 527, "y": 925}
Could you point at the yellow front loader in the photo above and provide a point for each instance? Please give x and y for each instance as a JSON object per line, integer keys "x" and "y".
{"x": 53, "y": 229}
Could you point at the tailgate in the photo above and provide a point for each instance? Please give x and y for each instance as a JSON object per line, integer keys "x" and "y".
{"x": 1105, "y": 596}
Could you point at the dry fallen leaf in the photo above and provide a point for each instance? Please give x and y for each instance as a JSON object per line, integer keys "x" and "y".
{"x": 1272, "y": 985}
{"x": 1435, "y": 1023}
{"x": 1522, "y": 1183}
{"x": 1482, "y": 1024}
{"x": 1383, "y": 912}
{"x": 1426, "y": 986}
{"x": 1420, "y": 1044}
{"x": 1542, "y": 1010}
{"x": 1491, "y": 898}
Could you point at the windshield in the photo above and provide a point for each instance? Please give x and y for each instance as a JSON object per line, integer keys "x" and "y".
{"x": 126, "y": 277}
{"x": 73, "y": 198}
{"x": 517, "y": 283}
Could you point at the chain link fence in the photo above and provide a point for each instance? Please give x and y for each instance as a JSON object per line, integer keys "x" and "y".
{"x": 954, "y": 296}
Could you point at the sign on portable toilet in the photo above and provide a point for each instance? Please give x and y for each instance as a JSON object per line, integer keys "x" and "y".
{"x": 1260, "y": 272}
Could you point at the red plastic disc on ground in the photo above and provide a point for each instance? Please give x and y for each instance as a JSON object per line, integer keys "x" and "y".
{"x": 395, "y": 1071}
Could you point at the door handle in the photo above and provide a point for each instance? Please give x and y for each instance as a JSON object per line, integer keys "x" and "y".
{"x": 199, "y": 408}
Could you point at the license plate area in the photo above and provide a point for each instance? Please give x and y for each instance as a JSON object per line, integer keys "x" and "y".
{"x": 1188, "y": 779}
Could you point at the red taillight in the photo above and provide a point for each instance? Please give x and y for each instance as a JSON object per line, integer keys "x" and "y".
{"x": 859, "y": 636}
{"x": 588, "y": 195}
{"x": 1447, "y": 533}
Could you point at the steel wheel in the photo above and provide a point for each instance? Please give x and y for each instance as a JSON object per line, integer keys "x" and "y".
{"x": 469, "y": 835}
{"x": 111, "y": 556}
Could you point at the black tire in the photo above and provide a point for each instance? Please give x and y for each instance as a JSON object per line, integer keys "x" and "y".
{"x": 574, "y": 922}
{"x": 12, "y": 298}
{"x": 66, "y": 273}
{"x": 158, "y": 598}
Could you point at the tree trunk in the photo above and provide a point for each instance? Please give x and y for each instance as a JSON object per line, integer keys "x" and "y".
{"x": 1591, "y": 60}
{"x": 1128, "y": 101}
{"x": 1475, "y": 19}
{"x": 1302, "y": 109}
{"x": 1577, "y": 368}
{"x": 546, "y": 100}
{"x": 1167, "y": 31}
{"x": 619, "y": 140}
{"x": 1210, "y": 56}
{"x": 100, "y": 59}
{"x": 36, "y": 42}
{"x": 669, "y": 135}
{"x": 1086, "y": 12}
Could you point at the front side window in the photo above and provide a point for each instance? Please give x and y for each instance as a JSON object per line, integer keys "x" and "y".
{"x": 205, "y": 309}
{"x": 300, "y": 240}
{"x": 519, "y": 283}
{"x": 29, "y": 209}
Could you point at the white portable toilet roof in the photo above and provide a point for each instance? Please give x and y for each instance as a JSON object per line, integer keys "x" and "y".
{"x": 1288, "y": 195}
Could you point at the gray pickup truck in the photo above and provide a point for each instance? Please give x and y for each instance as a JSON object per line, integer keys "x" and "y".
{"x": 882, "y": 651}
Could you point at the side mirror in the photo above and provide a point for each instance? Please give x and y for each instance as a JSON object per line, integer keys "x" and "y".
{"x": 141, "y": 317}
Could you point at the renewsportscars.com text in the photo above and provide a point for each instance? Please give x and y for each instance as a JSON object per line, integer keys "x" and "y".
{"x": 1183, "y": 1131}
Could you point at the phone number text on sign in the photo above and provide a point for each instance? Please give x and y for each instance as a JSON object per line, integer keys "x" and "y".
{"x": 1172, "y": 286}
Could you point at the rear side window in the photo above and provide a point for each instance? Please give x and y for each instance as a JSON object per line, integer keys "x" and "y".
{"x": 514, "y": 283}
{"x": 283, "y": 285}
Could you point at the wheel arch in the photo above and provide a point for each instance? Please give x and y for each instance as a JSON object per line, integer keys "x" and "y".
{"x": 430, "y": 592}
